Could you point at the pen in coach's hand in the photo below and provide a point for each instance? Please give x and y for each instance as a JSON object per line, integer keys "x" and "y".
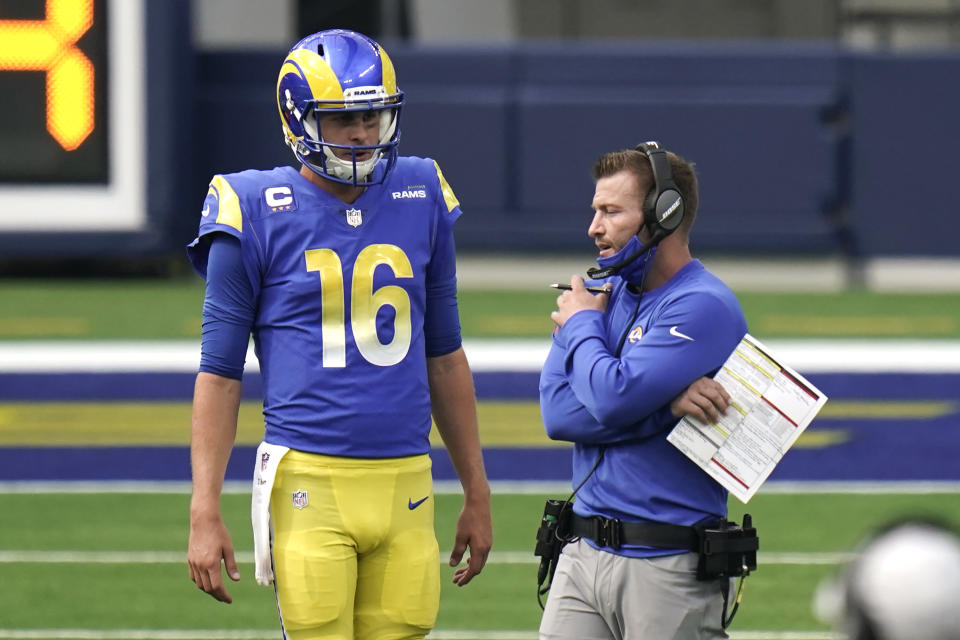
{"x": 566, "y": 287}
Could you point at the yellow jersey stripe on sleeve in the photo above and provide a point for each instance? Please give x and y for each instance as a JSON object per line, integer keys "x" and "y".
{"x": 448, "y": 195}
{"x": 228, "y": 207}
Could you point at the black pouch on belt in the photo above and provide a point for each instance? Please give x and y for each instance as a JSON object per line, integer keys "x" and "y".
{"x": 728, "y": 550}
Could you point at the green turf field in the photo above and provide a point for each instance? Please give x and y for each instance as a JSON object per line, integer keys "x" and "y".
{"x": 170, "y": 309}
{"x": 96, "y": 564}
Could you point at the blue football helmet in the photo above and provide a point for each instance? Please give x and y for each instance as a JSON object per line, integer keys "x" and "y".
{"x": 335, "y": 71}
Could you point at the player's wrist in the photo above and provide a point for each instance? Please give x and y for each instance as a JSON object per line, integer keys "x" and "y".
{"x": 478, "y": 494}
{"x": 205, "y": 510}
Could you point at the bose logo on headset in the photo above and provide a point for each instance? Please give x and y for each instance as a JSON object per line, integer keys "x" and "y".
{"x": 663, "y": 207}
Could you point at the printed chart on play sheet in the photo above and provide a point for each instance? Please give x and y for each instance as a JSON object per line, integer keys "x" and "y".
{"x": 771, "y": 405}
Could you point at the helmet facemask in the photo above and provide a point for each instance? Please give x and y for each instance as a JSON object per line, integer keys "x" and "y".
{"x": 321, "y": 155}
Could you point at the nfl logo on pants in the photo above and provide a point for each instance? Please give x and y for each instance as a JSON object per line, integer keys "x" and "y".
{"x": 299, "y": 499}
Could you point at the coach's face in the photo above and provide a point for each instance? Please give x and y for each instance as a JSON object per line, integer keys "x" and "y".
{"x": 617, "y": 214}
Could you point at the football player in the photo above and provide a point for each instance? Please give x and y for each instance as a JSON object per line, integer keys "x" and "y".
{"x": 344, "y": 272}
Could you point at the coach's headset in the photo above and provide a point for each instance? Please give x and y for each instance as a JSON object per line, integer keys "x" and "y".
{"x": 663, "y": 208}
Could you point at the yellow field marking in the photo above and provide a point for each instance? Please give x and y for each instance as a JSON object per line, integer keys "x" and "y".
{"x": 859, "y": 326}
{"x": 44, "y": 327}
{"x": 821, "y": 438}
{"x": 114, "y": 423}
{"x": 509, "y": 423}
{"x": 511, "y": 325}
{"x": 501, "y": 423}
{"x": 168, "y": 423}
{"x": 891, "y": 410}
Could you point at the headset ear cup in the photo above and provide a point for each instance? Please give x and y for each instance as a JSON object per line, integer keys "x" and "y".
{"x": 651, "y": 221}
{"x": 669, "y": 210}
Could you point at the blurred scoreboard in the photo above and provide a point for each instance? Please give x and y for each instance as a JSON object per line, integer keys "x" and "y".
{"x": 73, "y": 116}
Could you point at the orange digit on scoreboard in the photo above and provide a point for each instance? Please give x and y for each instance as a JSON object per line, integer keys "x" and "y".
{"x": 50, "y": 45}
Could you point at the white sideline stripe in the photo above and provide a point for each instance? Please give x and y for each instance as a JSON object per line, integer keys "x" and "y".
{"x": 806, "y": 356}
{"x": 862, "y": 487}
{"x": 452, "y": 487}
{"x": 246, "y": 557}
{"x": 271, "y": 634}
{"x": 785, "y": 635}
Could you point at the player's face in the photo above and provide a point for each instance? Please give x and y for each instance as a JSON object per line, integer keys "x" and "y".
{"x": 354, "y": 128}
{"x": 617, "y": 214}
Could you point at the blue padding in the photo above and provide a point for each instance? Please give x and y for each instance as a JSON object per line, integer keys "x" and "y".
{"x": 452, "y": 66}
{"x": 242, "y": 131}
{"x": 917, "y": 449}
{"x": 785, "y": 135}
{"x": 465, "y": 131}
{"x": 238, "y": 125}
{"x": 172, "y": 464}
{"x": 120, "y": 463}
{"x": 767, "y": 162}
{"x": 904, "y": 132}
{"x": 679, "y": 65}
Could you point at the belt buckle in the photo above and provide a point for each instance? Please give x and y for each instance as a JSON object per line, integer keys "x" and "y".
{"x": 608, "y": 532}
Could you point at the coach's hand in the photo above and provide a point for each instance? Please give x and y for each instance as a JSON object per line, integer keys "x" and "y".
{"x": 210, "y": 545}
{"x": 474, "y": 530}
{"x": 705, "y": 399}
{"x": 577, "y": 299}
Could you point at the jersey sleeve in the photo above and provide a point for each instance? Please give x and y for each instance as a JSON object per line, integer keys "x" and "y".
{"x": 228, "y": 309}
{"x": 231, "y": 291}
{"x": 221, "y": 213}
{"x": 690, "y": 338}
{"x": 441, "y": 322}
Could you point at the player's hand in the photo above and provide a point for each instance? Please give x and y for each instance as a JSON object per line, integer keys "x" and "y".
{"x": 210, "y": 545}
{"x": 577, "y": 299}
{"x": 705, "y": 399}
{"x": 474, "y": 530}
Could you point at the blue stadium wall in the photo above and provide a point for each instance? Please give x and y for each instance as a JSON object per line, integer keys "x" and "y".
{"x": 800, "y": 149}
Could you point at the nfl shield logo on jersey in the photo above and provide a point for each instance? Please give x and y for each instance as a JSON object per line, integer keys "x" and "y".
{"x": 354, "y": 217}
{"x": 299, "y": 499}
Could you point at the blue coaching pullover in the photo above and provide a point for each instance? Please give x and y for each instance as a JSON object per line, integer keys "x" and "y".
{"x": 682, "y": 330}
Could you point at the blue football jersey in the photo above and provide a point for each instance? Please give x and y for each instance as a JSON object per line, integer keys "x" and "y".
{"x": 340, "y": 293}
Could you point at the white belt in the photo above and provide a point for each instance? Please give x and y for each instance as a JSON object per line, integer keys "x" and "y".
{"x": 264, "y": 473}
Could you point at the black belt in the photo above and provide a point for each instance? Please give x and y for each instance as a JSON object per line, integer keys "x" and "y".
{"x": 609, "y": 532}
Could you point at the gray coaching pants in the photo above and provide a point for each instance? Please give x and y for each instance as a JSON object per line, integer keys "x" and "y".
{"x": 602, "y": 596}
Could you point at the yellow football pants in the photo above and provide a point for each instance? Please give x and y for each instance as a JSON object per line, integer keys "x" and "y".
{"x": 354, "y": 549}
